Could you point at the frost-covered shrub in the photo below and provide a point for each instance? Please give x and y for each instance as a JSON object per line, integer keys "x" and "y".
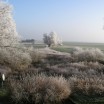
{"x": 88, "y": 54}
{"x": 77, "y": 68}
{"x": 75, "y": 49}
{"x": 90, "y": 86}
{"x": 39, "y": 89}
{"x": 15, "y": 59}
{"x": 36, "y": 56}
{"x": 87, "y": 65}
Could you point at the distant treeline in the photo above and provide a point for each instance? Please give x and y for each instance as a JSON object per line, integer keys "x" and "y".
{"x": 28, "y": 41}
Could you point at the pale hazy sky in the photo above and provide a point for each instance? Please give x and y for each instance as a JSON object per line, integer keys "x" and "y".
{"x": 72, "y": 20}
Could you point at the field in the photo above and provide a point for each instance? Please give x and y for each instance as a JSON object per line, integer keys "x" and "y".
{"x": 68, "y": 46}
{"x": 41, "y": 45}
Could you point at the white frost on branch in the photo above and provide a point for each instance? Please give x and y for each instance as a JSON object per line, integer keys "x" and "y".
{"x": 52, "y": 39}
{"x": 8, "y": 33}
{"x": 12, "y": 53}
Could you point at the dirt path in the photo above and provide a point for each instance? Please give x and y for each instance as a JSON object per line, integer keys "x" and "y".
{"x": 50, "y": 51}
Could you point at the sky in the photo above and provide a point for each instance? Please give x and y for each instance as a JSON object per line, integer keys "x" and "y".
{"x": 72, "y": 20}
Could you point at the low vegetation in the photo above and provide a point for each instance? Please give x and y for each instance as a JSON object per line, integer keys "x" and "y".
{"x": 39, "y": 89}
{"x": 88, "y": 54}
{"x": 16, "y": 60}
{"x": 59, "y": 78}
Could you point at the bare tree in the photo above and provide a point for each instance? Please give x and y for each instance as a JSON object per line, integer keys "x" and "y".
{"x": 46, "y": 39}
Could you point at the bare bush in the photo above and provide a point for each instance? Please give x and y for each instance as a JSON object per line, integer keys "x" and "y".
{"x": 39, "y": 89}
{"x": 59, "y": 89}
{"x": 84, "y": 66}
{"x": 36, "y": 56}
{"x": 90, "y": 86}
{"x": 78, "y": 69}
{"x": 14, "y": 59}
{"x": 88, "y": 54}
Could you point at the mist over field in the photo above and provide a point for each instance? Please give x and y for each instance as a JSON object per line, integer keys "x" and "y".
{"x": 72, "y": 20}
